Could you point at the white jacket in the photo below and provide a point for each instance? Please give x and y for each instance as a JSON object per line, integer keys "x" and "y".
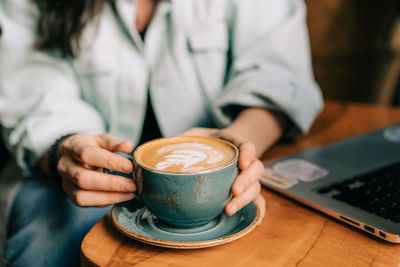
{"x": 200, "y": 59}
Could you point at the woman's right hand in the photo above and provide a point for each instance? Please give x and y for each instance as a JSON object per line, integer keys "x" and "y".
{"x": 81, "y": 159}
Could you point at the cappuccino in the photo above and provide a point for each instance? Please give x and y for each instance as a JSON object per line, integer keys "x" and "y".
{"x": 185, "y": 154}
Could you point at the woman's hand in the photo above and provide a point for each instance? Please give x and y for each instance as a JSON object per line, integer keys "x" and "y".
{"x": 81, "y": 159}
{"x": 246, "y": 188}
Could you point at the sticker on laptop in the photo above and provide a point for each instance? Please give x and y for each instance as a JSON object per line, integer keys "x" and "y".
{"x": 392, "y": 134}
{"x": 300, "y": 169}
{"x": 274, "y": 179}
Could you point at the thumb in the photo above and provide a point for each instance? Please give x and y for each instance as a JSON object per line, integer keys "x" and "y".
{"x": 125, "y": 147}
{"x": 111, "y": 143}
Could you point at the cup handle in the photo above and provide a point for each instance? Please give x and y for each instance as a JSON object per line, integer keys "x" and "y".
{"x": 127, "y": 175}
{"x": 133, "y": 176}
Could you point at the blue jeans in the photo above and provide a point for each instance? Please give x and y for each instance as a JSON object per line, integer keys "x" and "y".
{"x": 45, "y": 228}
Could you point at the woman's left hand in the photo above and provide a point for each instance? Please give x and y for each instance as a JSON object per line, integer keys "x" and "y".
{"x": 247, "y": 187}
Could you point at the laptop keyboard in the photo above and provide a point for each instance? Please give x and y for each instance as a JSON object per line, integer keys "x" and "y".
{"x": 377, "y": 192}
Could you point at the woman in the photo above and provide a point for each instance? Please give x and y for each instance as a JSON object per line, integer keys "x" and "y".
{"x": 136, "y": 70}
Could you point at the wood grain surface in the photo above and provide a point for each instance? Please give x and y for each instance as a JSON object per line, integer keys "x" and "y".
{"x": 290, "y": 235}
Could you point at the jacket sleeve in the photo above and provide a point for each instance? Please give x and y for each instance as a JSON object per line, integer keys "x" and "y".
{"x": 39, "y": 94}
{"x": 271, "y": 63}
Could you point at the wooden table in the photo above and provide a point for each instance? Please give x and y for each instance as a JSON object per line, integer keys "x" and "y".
{"x": 290, "y": 235}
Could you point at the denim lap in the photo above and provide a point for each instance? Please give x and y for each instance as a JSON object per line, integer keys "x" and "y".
{"x": 45, "y": 228}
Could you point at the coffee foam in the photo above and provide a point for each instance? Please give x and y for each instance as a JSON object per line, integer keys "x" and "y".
{"x": 185, "y": 154}
{"x": 188, "y": 156}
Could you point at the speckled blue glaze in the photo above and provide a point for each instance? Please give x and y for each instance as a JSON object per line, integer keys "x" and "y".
{"x": 138, "y": 222}
{"x": 186, "y": 200}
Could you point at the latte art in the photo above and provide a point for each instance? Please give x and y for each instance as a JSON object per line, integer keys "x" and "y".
{"x": 188, "y": 157}
{"x": 185, "y": 154}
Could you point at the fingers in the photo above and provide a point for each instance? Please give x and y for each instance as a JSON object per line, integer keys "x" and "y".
{"x": 243, "y": 199}
{"x": 93, "y": 180}
{"x": 111, "y": 143}
{"x": 80, "y": 164}
{"x": 99, "y": 157}
{"x": 246, "y": 187}
{"x": 247, "y": 177}
{"x": 125, "y": 147}
{"x": 247, "y": 150}
{"x": 88, "y": 198}
{"x": 96, "y": 151}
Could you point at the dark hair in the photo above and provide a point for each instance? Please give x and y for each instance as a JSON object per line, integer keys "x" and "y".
{"x": 62, "y": 22}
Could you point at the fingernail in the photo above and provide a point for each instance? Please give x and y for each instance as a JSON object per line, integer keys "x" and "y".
{"x": 127, "y": 167}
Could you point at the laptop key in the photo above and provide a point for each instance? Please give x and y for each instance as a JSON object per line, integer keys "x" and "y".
{"x": 377, "y": 192}
{"x": 386, "y": 213}
{"x": 324, "y": 190}
{"x": 370, "y": 208}
{"x": 356, "y": 202}
{"x": 340, "y": 196}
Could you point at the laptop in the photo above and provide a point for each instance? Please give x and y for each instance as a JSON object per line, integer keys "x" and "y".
{"x": 356, "y": 181}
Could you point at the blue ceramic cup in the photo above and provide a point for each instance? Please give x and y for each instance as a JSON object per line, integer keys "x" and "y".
{"x": 191, "y": 196}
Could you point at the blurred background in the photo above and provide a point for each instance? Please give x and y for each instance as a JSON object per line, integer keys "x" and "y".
{"x": 356, "y": 49}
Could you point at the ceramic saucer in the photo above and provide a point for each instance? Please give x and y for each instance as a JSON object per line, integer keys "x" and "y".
{"x": 133, "y": 219}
